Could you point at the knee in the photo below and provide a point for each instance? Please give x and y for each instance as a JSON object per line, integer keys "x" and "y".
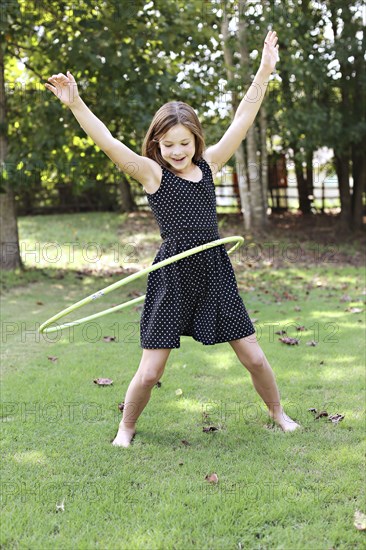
{"x": 255, "y": 362}
{"x": 150, "y": 376}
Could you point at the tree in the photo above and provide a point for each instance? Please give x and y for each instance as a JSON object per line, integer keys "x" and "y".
{"x": 347, "y": 126}
{"x": 9, "y": 245}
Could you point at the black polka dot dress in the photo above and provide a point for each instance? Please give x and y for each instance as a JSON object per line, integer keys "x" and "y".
{"x": 196, "y": 296}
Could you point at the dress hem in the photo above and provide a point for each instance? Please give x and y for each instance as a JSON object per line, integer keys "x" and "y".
{"x": 177, "y": 346}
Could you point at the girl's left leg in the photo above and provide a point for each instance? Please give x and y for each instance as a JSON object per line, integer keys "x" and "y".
{"x": 251, "y": 355}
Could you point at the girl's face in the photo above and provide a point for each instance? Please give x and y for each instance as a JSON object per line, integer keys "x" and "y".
{"x": 177, "y": 147}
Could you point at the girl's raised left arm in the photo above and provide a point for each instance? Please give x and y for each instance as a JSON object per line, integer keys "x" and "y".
{"x": 222, "y": 151}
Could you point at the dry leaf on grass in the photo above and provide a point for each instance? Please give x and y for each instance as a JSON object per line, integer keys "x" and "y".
{"x": 178, "y": 392}
{"x": 335, "y": 418}
{"x": 53, "y": 359}
{"x": 321, "y": 414}
{"x": 109, "y": 338}
{"x": 60, "y": 507}
{"x": 103, "y": 381}
{"x": 360, "y": 521}
{"x": 345, "y": 298}
{"x": 289, "y": 341}
{"x": 210, "y": 429}
{"x": 212, "y": 478}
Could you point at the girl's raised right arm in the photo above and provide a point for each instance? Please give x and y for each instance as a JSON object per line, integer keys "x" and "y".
{"x": 140, "y": 168}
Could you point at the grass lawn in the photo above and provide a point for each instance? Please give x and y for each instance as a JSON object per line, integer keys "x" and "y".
{"x": 65, "y": 486}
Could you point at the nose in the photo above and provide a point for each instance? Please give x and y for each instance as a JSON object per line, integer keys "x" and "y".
{"x": 177, "y": 153}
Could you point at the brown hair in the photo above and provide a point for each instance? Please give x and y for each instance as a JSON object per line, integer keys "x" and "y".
{"x": 170, "y": 114}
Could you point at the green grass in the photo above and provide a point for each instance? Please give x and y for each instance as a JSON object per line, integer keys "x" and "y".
{"x": 275, "y": 490}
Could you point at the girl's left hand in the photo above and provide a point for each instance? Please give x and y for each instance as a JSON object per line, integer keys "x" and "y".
{"x": 270, "y": 52}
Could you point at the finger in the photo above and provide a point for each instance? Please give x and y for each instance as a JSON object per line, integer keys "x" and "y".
{"x": 52, "y": 88}
{"x": 70, "y": 76}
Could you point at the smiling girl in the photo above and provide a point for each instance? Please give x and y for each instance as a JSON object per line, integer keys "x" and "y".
{"x": 198, "y": 295}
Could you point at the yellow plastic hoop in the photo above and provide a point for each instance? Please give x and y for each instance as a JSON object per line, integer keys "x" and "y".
{"x": 44, "y": 327}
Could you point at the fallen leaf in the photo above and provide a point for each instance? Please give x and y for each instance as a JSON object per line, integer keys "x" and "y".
{"x": 180, "y": 463}
{"x": 289, "y": 341}
{"x": 360, "y": 521}
{"x": 210, "y": 429}
{"x": 53, "y": 359}
{"x": 288, "y": 296}
{"x": 212, "y": 478}
{"x": 185, "y": 442}
{"x": 312, "y": 410}
{"x": 280, "y": 332}
{"x": 39, "y": 303}
{"x": 178, "y": 392}
{"x": 297, "y": 308}
{"x": 158, "y": 384}
{"x": 103, "y": 381}
{"x": 109, "y": 338}
{"x": 345, "y": 298}
{"x": 312, "y": 343}
{"x": 121, "y": 406}
{"x": 60, "y": 507}
{"x": 300, "y": 328}
{"x": 354, "y": 309}
{"x": 335, "y": 418}
{"x": 321, "y": 414}
{"x": 135, "y": 293}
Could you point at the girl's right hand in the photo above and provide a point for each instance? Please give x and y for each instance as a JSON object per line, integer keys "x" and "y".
{"x": 64, "y": 87}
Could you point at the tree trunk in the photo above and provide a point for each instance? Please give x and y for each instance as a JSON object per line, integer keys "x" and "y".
{"x": 341, "y": 161}
{"x": 302, "y": 183}
{"x": 264, "y": 163}
{"x": 309, "y": 179}
{"x": 127, "y": 202}
{"x": 256, "y": 196}
{"x": 359, "y": 185}
{"x": 258, "y": 205}
{"x": 241, "y": 170}
{"x": 9, "y": 242}
{"x": 240, "y": 163}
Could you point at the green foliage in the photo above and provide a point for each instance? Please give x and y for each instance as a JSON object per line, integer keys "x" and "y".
{"x": 131, "y": 57}
{"x": 126, "y": 61}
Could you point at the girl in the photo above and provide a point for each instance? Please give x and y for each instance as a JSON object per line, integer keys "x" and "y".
{"x": 197, "y": 296}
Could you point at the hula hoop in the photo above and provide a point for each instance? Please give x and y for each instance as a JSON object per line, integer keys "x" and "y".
{"x": 44, "y": 327}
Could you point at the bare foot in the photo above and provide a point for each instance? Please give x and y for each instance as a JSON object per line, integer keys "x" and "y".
{"x": 124, "y": 437}
{"x": 285, "y": 422}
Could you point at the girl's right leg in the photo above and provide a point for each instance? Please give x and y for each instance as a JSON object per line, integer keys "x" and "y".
{"x": 150, "y": 370}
